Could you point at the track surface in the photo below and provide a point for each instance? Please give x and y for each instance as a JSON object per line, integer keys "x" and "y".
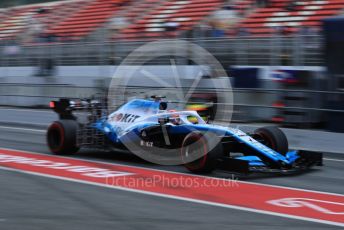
{"x": 33, "y": 202}
{"x": 320, "y": 141}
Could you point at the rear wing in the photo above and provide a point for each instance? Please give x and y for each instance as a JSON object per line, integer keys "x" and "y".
{"x": 65, "y": 107}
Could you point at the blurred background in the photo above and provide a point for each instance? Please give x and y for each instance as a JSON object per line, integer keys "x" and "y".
{"x": 285, "y": 58}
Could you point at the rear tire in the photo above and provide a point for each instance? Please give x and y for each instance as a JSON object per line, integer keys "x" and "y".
{"x": 274, "y": 138}
{"x": 196, "y": 141}
{"x": 61, "y": 137}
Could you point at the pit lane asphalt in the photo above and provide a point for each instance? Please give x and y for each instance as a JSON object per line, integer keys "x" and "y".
{"x": 33, "y": 202}
{"x": 315, "y": 140}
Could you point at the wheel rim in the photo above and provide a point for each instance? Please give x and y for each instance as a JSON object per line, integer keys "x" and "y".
{"x": 192, "y": 150}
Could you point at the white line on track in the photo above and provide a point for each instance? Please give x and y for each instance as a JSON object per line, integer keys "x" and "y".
{"x": 25, "y": 129}
{"x": 27, "y": 110}
{"x": 43, "y": 131}
{"x": 331, "y": 159}
{"x": 179, "y": 198}
{"x": 313, "y": 150}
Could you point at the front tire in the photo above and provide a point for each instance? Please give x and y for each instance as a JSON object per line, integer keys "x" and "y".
{"x": 61, "y": 137}
{"x": 274, "y": 138}
{"x": 208, "y": 149}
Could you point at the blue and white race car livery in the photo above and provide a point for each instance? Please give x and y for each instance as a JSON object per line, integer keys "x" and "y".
{"x": 147, "y": 127}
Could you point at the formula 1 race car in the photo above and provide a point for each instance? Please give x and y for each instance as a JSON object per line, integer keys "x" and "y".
{"x": 147, "y": 125}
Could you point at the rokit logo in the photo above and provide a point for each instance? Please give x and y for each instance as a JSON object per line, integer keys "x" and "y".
{"x": 128, "y": 118}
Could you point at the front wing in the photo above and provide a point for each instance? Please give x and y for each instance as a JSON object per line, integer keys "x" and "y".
{"x": 304, "y": 160}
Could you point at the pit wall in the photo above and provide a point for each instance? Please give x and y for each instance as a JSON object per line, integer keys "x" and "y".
{"x": 20, "y": 86}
